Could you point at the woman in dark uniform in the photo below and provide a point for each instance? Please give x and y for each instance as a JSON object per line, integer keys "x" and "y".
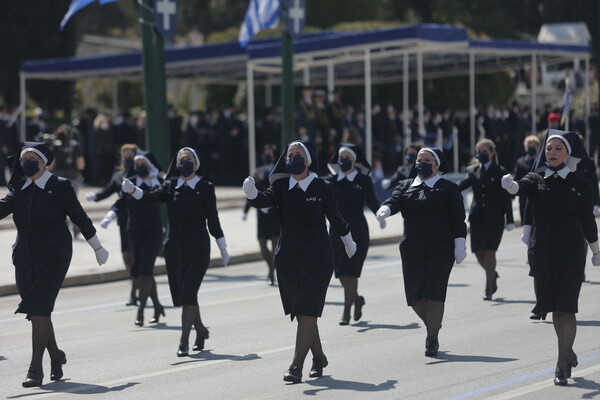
{"x": 353, "y": 189}
{"x": 266, "y": 218}
{"x": 144, "y": 231}
{"x": 114, "y": 186}
{"x": 40, "y": 203}
{"x": 524, "y": 164}
{"x": 561, "y": 205}
{"x": 491, "y": 210}
{"x": 191, "y": 206}
{"x": 434, "y": 238}
{"x": 304, "y": 256}
{"x": 403, "y": 171}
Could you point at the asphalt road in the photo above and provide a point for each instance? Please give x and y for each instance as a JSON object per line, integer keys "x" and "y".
{"x": 487, "y": 349}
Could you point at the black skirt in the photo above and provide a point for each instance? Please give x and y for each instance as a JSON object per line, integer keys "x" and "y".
{"x": 345, "y": 266}
{"x": 145, "y": 245}
{"x": 486, "y": 235}
{"x": 267, "y": 224}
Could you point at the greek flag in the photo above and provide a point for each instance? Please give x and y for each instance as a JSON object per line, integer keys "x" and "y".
{"x": 566, "y": 102}
{"x": 261, "y": 14}
{"x": 77, "y": 5}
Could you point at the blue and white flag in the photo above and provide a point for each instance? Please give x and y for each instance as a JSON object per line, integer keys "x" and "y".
{"x": 261, "y": 14}
{"x": 77, "y": 5}
{"x": 566, "y": 102}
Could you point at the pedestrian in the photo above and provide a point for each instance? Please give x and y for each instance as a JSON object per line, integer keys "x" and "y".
{"x": 491, "y": 210}
{"x": 267, "y": 222}
{"x": 127, "y": 153}
{"x": 191, "y": 206}
{"x": 561, "y": 204}
{"x": 304, "y": 258}
{"x": 40, "y": 203}
{"x": 434, "y": 238}
{"x": 524, "y": 164}
{"x": 353, "y": 188}
{"x": 403, "y": 171}
{"x": 144, "y": 232}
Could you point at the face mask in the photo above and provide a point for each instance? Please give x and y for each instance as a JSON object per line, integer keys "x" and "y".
{"x": 410, "y": 158}
{"x": 141, "y": 171}
{"x": 295, "y": 165}
{"x": 532, "y": 151}
{"x": 483, "y": 157}
{"x": 128, "y": 164}
{"x": 30, "y": 167}
{"x": 424, "y": 170}
{"x": 185, "y": 167}
{"x": 267, "y": 159}
{"x": 345, "y": 164}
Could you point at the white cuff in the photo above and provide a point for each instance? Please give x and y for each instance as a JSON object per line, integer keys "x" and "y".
{"x": 137, "y": 193}
{"x": 460, "y": 243}
{"x": 527, "y": 230}
{"x": 110, "y": 215}
{"x": 348, "y": 238}
{"x": 222, "y": 243}
{"x": 94, "y": 242}
{"x": 514, "y": 188}
{"x": 595, "y": 247}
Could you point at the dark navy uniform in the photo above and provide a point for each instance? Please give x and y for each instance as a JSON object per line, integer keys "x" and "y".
{"x": 187, "y": 245}
{"x": 561, "y": 209}
{"x": 491, "y": 207}
{"x": 43, "y": 249}
{"x": 114, "y": 186}
{"x": 433, "y": 218}
{"x": 522, "y": 168}
{"x": 303, "y": 257}
{"x": 351, "y": 197}
{"x": 267, "y": 222}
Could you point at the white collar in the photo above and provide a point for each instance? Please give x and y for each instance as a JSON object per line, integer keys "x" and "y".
{"x": 429, "y": 182}
{"x": 303, "y": 183}
{"x": 150, "y": 182}
{"x": 39, "y": 182}
{"x": 190, "y": 182}
{"x": 561, "y": 172}
{"x": 487, "y": 165}
{"x": 350, "y": 176}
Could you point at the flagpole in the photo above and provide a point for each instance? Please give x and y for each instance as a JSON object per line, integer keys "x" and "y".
{"x": 287, "y": 79}
{"x": 565, "y": 106}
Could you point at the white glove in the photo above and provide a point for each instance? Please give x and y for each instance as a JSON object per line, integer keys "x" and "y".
{"x": 526, "y": 234}
{"x": 90, "y": 197}
{"x": 265, "y": 210}
{"x": 127, "y": 186}
{"x": 223, "y": 248}
{"x": 596, "y": 260}
{"x": 385, "y": 184}
{"x": 382, "y": 224}
{"x": 349, "y": 244}
{"x": 510, "y": 227}
{"x": 595, "y": 247}
{"x": 100, "y": 252}
{"x": 244, "y": 216}
{"x": 108, "y": 218}
{"x": 460, "y": 249}
{"x": 249, "y": 187}
{"x": 596, "y": 210}
{"x": 383, "y": 213}
{"x": 509, "y": 184}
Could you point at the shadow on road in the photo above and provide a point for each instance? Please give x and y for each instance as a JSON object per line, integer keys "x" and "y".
{"x": 329, "y": 383}
{"x": 74, "y": 387}
{"x": 211, "y": 277}
{"x": 498, "y": 301}
{"x": 366, "y": 326}
{"x": 444, "y": 356}
{"x": 208, "y": 355}
{"x": 2, "y": 358}
{"x": 458, "y": 285}
{"x": 583, "y": 383}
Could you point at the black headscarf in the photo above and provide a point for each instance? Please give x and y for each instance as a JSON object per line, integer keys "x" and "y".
{"x": 173, "y": 171}
{"x": 439, "y": 157}
{"x": 40, "y": 148}
{"x": 360, "y": 161}
{"x": 574, "y": 146}
{"x": 280, "y": 170}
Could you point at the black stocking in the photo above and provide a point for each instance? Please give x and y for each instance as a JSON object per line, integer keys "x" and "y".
{"x": 434, "y": 315}
{"x": 145, "y": 285}
{"x": 307, "y": 338}
{"x": 188, "y": 315}
{"x": 565, "y": 326}
{"x": 350, "y": 285}
{"x": 128, "y": 260}
{"x": 198, "y": 325}
{"x": 42, "y": 338}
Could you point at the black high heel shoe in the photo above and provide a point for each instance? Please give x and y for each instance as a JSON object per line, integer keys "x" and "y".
{"x": 572, "y": 364}
{"x": 139, "y": 320}
{"x": 318, "y": 364}
{"x": 345, "y": 320}
{"x": 158, "y": 311}
{"x": 56, "y": 371}
{"x": 487, "y": 294}
{"x": 431, "y": 347}
{"x": 358, "y": 305}
{"x": 560, "y": 377}
{"x": 538, "y": 316}
{"x": 199, "y": 343}
{"x": 34, "y": 377}
{"x": 293, "y": 374}
{"x": 183, "y": 350}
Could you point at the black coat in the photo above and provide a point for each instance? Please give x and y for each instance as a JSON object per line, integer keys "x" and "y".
{"x": 523, "y": 167}
{"x": 433, "y": 218}
{"x": 303, "y": 256}
{"x": 114, "y": 186}
{"x": 491, "y": 206}
{"x": 562, "y": 221}
{"x": 351, "y": 198}
{"x": 267, "y": 223}
{"x": 187, "y": 245}
{"x": 43, "y": 249}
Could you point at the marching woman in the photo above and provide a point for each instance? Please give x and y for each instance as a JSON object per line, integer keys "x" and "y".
{"x": 434, "y": 238}
{"x": 191, "y": 206}
{"x": 127, "y": 153}
{"x": 491, "y": 210}
{"x": 266, "y": 218}
{"x": 144, "y": 231}
{"x": 304, "y": 257}
{"x": 40, "y": 203}
{"x": 561, "y": 204}
{"x": 353, "y": 189}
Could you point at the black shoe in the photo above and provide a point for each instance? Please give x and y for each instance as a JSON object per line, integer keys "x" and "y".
{"x": 199, "y": 344}
{"x": 495, "y": 284}
{"x": 345, "y": 319}
{"x": 183, "y": 351}
{"x": 139, "y": 321}
{"x": 560, "y": 377}
{"x": 34, "y": 377}
{"x": 131, "y": 302}
{"x": 488, "y": 294}
{"x": 431, "y": 347}
{"x": 158, "y": 311}
{"x": 358, "y": 305}
{"x": 318, "y": 364}
{"x": 293, "y": 374}
{"x": 538, "y": 316}
{"x": 572, "y": 364}
{"x": 56, "y": 371}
